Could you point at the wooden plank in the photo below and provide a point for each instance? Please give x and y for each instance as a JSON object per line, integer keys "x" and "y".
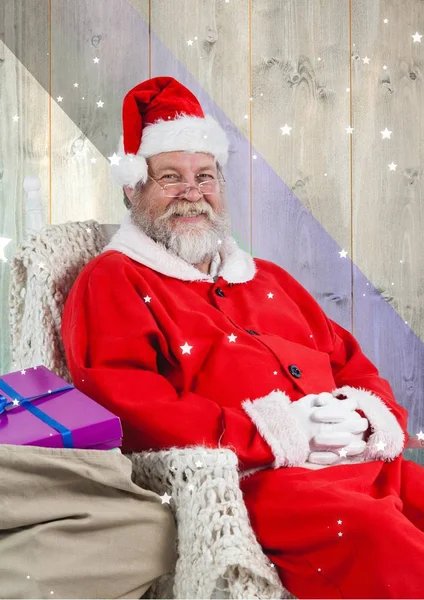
{"x": 84, "y": 30}
{"x": 387, "y": 204}
{"x": 215, "y": 68}
{"x": 301, "y": 181}
{"x": 24, "y": 143}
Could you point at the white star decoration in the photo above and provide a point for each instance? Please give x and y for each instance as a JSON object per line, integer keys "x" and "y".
{"x": 343, "y": 453}
{"x": 416, "y": 37}
{"x": 186, "y": 348}
{"x": 340, "y": 534}
{"x": 114, "y": 159}
{"x": 339, "y": 522}
{"x": 343, "y": 253}
{"x": 96, "y": 60}
{"x": 349, "y": 129}
{"x": 366, "y": 60}
{"x": 386, "y": 134}
{"x": 59, "y": 98}
{"x": 285, "y": 130}
{"x": 198, "y": 464}
{"x": 420, "y": 435}
{"x": 392, "y": 166}
{"x": 16, "y": 118}
{"x": 232, "y": 337}
{"x": 380, "y": 445}
{"x": 166, "y": 498}
{"x": 270, "y": 295}
{"x": 147, "y": 298}
{"x": 190, "y": 487}
{"x": 75, "y": 85}
{"x": 100, "y": 104}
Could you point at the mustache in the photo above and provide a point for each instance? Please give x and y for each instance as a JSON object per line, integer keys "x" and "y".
{"x": 189, "y": 211}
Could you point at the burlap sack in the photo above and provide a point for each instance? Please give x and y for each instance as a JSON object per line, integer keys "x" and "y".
{"x": 74, "y": 525}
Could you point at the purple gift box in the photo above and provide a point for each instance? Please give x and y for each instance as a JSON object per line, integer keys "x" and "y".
{"x": 87, "y": 423}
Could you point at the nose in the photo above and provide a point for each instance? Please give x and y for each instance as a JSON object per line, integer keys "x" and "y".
{"x": 189, "y": 195}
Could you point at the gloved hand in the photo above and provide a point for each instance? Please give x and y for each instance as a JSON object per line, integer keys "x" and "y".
{"x": 356, "y": 424}
{"x": 330, "y": 424}
{"x": 329, "y": 456}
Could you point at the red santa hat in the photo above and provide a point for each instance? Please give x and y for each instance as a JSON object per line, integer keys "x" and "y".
{"x": 161, "y": 115}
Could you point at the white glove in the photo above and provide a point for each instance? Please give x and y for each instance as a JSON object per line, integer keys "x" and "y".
{"x": 330, "y": 424}
{"x": 335, "y": 410}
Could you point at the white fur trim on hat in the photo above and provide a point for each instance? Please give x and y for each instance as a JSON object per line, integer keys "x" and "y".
{"x": 184, "y": 133}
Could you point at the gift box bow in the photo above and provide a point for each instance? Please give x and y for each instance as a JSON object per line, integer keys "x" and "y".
{"x": 20, "y": 400}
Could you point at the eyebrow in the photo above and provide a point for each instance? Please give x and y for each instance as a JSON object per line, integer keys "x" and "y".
{"x": 203, "y": 168}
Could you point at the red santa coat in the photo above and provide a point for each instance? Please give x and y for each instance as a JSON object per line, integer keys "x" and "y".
{"x": 186, "y": 360}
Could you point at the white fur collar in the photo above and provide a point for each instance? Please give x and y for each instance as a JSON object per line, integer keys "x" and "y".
{"x": 237, "y": 266}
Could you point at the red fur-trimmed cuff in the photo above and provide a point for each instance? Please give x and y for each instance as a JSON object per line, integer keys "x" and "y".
{"x": 279, "y": 427}
{"x": 387, "y": 439}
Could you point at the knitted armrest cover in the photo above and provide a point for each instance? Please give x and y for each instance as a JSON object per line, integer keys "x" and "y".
{"x": 215, "y": 538}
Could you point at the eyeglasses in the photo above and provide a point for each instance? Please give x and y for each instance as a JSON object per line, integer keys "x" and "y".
{"x": 177, "y": 190}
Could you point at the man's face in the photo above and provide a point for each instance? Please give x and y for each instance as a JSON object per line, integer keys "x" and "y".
{"x": 166, "y": 220}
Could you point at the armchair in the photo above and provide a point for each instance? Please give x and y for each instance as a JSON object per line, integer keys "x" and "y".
{"x": 218, "y": 554}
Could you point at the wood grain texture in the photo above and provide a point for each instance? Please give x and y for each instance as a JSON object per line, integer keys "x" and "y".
{"x": 24, "y": 144}
{"x": 218, "y": 59}
{"x": 82, "y": 130}
{"x": 301, "y": 202}
{"x": 388, "y": 204}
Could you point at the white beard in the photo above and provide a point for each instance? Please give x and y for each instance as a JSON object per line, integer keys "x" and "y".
{"x": 194, "y": 242}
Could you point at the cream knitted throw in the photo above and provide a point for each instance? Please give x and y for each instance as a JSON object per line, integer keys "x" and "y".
{"x": 215, "y": 538}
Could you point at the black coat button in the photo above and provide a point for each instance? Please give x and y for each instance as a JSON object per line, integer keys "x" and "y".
{"x": 295, "y": 371}
{"x": 220, "y": 292}
{"x": 252, "y": 332}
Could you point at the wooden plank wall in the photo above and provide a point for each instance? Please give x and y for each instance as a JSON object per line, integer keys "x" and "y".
{"x": 299, "y": 200}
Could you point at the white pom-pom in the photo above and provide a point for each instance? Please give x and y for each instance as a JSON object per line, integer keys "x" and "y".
{"x": 130, "y": 170}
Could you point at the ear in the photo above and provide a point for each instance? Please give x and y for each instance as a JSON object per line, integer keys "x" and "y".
{"x": 129, "y": 191}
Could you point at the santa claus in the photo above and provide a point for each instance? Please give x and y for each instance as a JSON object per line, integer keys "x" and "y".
{"x": 192, "y": 341}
